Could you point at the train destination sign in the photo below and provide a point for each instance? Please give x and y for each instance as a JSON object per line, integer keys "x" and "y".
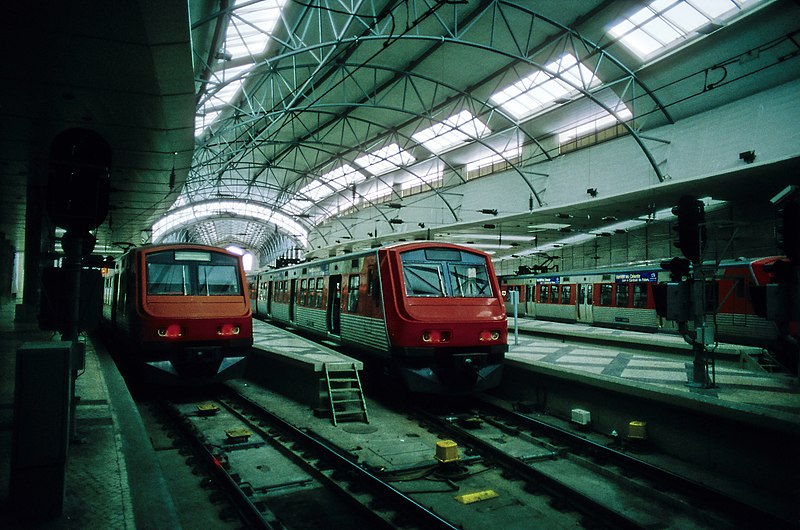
{"x": 636, "y": 277}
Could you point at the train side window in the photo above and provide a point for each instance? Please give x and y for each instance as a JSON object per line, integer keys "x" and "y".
{"x": 605, "y": 294}
{"x": 566, "y": 293}
{"x": 554, "y": 294}
{"x": 623, "y": 294}
{"x": 544, "y": 293}
{"x": 303, "y": 291}
{"x": 320, "y": 286}
{"x": 352, "y": 293}
{"x": 640, "y": 295}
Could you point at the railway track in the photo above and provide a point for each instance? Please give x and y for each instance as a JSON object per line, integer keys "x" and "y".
{"x": 276, "y": 475}
{"x": 282, "y": 467}
{"x": 610, "y": 487}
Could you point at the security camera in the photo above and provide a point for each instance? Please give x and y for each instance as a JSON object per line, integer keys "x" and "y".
{"x": 786, "y": 192}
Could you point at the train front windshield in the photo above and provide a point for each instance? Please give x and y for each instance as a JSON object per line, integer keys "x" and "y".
{"x": 192, "y": 273}
{"x": 444, "y": 272}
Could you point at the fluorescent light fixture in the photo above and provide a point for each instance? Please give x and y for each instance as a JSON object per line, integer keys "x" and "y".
{"x": 455, "y": 130}
{"x": 547, "y": 226}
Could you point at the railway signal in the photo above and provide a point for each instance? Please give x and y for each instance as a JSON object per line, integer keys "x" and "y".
{"x": 788, "y": 230}
{"x": 691, "y": 227}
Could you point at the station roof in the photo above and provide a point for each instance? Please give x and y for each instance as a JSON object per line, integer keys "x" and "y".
{"x": 287, "y": 126}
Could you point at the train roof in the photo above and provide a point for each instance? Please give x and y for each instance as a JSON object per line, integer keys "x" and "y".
{"x": 358, "y": 254}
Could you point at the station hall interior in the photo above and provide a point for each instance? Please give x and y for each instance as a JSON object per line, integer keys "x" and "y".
{"x": 552, "y": 135}
{"x": 558, "y": 133}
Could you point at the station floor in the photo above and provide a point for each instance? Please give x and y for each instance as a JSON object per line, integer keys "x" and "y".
{"x": 658, "y": 360}
{"x": 111, "y": 450}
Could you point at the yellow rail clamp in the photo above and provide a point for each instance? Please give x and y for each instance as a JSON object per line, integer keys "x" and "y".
{"x": 207, "y": 409}
{"x": 469, "y": 498}
{"x": 238, "y": 435}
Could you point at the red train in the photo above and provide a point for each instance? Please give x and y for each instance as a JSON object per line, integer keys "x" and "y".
{"x": 429, "y": 312}
{"x": 181, "y": 312}
{"x": 622, "y": 297}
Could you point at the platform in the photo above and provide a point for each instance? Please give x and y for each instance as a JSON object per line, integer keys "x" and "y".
{"x": 293, "y": 365}
{"x": 108, "y": 451}
{"x": 628, "y": 356}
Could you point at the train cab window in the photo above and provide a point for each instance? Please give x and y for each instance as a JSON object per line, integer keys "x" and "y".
{"x": 554, "y": 294}
{"x": 566, "y": 293}
{"x": 640, "y": 295}
{"x": 623, "y": 294}
{"x": 605, "y": 294}
{"x": 191, "y": 273}
{"x": 352, "y": 293}
{"x": 470, "y": 281}
{"x": 423, "y": 279}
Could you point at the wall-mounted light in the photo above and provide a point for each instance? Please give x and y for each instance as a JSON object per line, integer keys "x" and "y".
{"x": 592, "y": 191}
{"x": 564, "y": 216}
{"x": 396, "y": 221}
{"x": 489, "y": 211}
{"x": 395, "y": 205}
{"x": 489, "y": 226}
{"x": 747, "y": 156}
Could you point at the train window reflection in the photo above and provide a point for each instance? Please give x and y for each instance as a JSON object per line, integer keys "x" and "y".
{"x": 470, "y": 281}
{"x": 605, "y": 294}
{"x": 423, "y": 279}
{"x": 218, "y": 278}
{"x": 640, "y": 295}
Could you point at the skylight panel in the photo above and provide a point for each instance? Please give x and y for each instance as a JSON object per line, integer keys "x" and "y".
{"x": 248, "y": 32}
{"x": 511, "y": 154}
{"x": 604, "y": 121}
{"x": 385, "y": 159}
{"x": 455, "y": 130}
{"x": 337, "y": 180}
{"x": 541, "y": 90}
{"x": 342, "y": 177}
{"x": 662, "y": 23}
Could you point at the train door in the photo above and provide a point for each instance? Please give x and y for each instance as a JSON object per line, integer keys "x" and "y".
{"x": 334, "y": 303}
{"x": 292, "y": 293}
{"x": 270, "y": 287}
{"x": 583, "y": 303}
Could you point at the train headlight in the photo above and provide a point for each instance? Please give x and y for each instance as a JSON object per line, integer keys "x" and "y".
{"x": 487, "y": 335}
{"x": 435, "y": 335}
{"x": 226, "y": 330}
{"x": 171, "y": 332}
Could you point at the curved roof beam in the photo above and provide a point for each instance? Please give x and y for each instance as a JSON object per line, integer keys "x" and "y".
{"x": 200, "y": 211}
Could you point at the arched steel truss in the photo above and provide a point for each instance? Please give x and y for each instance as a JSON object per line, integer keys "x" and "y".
{"x": 323, "y": 96}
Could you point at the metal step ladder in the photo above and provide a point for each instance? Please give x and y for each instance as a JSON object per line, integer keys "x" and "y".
{"x": 344, "y": 391}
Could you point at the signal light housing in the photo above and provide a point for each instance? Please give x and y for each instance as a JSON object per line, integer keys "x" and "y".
{"x": 691, "y": 227}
